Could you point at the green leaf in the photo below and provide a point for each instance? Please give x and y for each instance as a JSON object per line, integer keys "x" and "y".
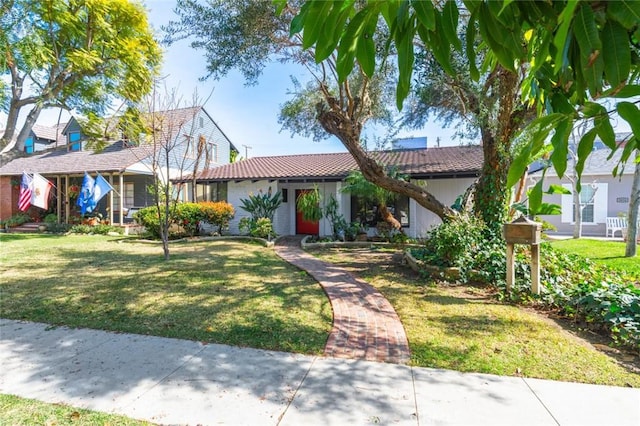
{"x": 557, "y": 189}
{"x": 535, "y": 198}
{"x": 549, "y": 209}
{"x": 585, "y": 147}
{"x": 616, "y": 53}
{"x": 628, "y": 91}
{"x": 560, "y": 142}
{"x": 332, "y": 29}
{"x": 450, "y": 24}
{"x": 518, "y": 166}
{"x": 631, "y": 114}
{"x": 626, "y": 12}
{"x": 587, "y": 36}
{"x": 471, "y": 49}
{"x": 366, "y": 50}
{"x": 561, "y": 40}
{"x": 603, "y": 126}
{"x": 316, "y": 16}
{"x": 425, "y": 13}
{"x": 404, "y": 45}
{"x": 297, "y": 23}
{"x": 349, "y": 44}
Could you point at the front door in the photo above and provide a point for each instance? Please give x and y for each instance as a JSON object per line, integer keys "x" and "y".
{"x": 303, "y": 226}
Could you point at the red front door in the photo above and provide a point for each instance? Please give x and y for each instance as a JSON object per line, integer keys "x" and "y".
{"x": 303, "y": 226}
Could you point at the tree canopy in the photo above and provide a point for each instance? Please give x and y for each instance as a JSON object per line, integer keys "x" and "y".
{"x": 573, "y": 56}
{"x": 74, "y": 54}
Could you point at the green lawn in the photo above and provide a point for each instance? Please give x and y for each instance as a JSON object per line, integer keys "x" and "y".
{"x": 467, "y": 329}
{"x": 17, "y": 411}
{"x": 220, "y": 291}
{"x": 242, "y": 294}
{"x": 610, "y": 253}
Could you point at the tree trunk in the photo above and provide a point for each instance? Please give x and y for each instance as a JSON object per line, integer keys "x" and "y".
{"x": 491, "y": 191}
{"x": 348, "y": 131}
{"x": 577, "y": 212}
{"x": 27, "y": 126}
{"x": 634, "y": 206}
{"x": 10, "y": 127}
{"x": 388, "y": 217}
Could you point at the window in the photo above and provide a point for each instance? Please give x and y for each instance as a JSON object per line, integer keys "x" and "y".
{"x": 366, "y": 212}
{"x": 128, "y": 195}
{"x": 285, "y": 195}
{"x": 74, "y": 141}
{"x": 28, "y": 145}
{"x": 218, "y": 191}
{"x": 201, "y": 122}
{"x": 593, "y": 200}
{"x": 201, "y": 190}
{"x": 213, "y": 152}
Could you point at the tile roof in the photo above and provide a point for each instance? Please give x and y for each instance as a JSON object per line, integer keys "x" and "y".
{"x": 51, "y": 133}
{"x": 598, "y": 163}
{"x": 114, "y": 158}
{"x": 431, "y": 162}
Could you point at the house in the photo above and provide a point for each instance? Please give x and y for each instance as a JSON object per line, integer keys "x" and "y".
{"x": 127, "y": 164}
{"x": 602, "y": 194}
{"x": 446, "y": 172}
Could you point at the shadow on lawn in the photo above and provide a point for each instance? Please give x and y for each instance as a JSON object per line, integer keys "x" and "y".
{"x": 205, "y": 292}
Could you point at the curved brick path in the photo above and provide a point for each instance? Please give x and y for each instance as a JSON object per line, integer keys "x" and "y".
{"x": 365, "y": 325}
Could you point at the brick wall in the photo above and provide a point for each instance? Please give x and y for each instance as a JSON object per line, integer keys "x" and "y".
{"x": 8, "y": 197}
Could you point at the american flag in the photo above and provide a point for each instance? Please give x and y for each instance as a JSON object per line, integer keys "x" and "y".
{"x": 25, "y": 192}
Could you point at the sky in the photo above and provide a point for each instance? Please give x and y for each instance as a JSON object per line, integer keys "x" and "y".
{"x": 248, "y": 115}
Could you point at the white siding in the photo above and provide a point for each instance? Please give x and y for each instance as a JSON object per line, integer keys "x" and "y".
{"x": 446, "y": 191}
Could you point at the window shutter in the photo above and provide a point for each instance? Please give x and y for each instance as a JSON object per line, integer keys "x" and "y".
{"x": 567, "y": 204}
{"x": 601, "y": 203}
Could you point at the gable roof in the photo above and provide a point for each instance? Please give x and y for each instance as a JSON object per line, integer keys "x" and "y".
{"x": 598, "y": 164}
{"x": 116, "y": 157}
{"x": 461, "y": 161}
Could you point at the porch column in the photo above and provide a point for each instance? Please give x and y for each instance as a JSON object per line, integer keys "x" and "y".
{"x": 111, "y": 199}
{"x": 67, "y": 207}
{"x": 121, "y": 177}
{"x": 59, "y": 198}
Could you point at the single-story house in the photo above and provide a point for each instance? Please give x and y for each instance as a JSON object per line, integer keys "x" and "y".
{"x": 602, "y": 196}
{"x": 126, "y": 164}
{"x": 446, "y": 172}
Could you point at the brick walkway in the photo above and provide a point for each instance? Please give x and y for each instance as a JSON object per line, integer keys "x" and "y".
{"x": 365, "y": 325}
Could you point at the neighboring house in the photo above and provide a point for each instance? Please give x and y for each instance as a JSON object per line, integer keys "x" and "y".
{"x": 126, "y": 164}
{"x": 602, "y": 194}
{"x": 445, "y": 172}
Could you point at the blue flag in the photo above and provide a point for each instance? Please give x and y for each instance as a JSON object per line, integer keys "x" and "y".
{"x": 100, "y": 189}
{"x": 85, "y": 198}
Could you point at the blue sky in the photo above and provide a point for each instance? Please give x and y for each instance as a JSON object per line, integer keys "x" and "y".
{"x": 248, "y": 115}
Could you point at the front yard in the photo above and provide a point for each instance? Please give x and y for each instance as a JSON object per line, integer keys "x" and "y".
{"x": 609, "y": 253}
{"x": 243, "y": 294}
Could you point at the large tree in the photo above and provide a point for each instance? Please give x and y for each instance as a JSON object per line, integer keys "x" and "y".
{"x": 571, "y": 55}
{"x": 245, "y": 35}
{"x": 78, "y": 55}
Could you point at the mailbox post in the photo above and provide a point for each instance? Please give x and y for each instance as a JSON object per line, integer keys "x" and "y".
{"x": 523, "y": 231}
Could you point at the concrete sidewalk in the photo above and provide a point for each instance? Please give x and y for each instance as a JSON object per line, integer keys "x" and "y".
{"x": 173, "y": 381}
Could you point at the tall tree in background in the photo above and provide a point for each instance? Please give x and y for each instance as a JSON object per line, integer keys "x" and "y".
{"x": 77, "y": 55}
{"x": 246, "y": 34}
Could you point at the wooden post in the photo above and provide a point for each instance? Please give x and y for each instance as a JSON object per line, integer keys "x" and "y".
{"x": 59, "y": 198}
{"x": 67, "y": 204}
{"x": 535, "y": 269}
{"x": 511, "y": 272}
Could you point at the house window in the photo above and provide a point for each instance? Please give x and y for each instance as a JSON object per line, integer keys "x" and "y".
{"x": 218, "y": 191}
{"x": 128, "y": 195}
{"x": 593, "y": 201}
{"x": 201, "y": 191}
{"x": 201, "y": 122}
{"x": 74, "y": 141}
{"x": 213, "y": 152}
{"x": 28, "y": 145}
{"x": 366, "y": 212}
{"x": 285, "y": 195}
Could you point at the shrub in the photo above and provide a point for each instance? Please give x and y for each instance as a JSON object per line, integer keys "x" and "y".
{"x": 97, "y": 229}
{"x": 452, "y": 243}
{"x": 189, "y": 216}
{"x": 16, "y": 220}
{"x": 148, "y": 217}
{"x": 261, "y": 228}
{"x": 50, "y": 219}
{"x": 217, "y": 214}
